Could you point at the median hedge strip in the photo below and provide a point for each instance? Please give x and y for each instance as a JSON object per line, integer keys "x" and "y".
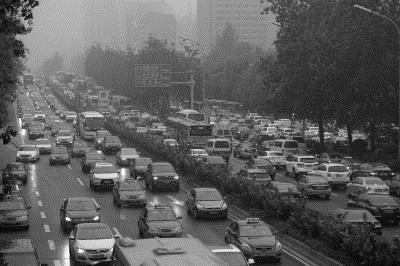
{"x": 363, "y": 246}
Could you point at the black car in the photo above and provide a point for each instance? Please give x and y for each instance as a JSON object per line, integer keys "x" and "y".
{"x": 359, "y": 217}
{"x": 36, "y": 131}
{"x": 89, "y": 160}
{"x": 138, "y": 166}
{"x": 383, "y": 207}
{"x": 14, "y": 213}
{"x": 161, "y": 175}
{"x": 111, "y": 144}
{"x": 78, "y": 210}
{"x": 288, "y": 192}
{"x": 15, "y": 173}
{"x": 128, "y": 193}
{"x": 99, "y": 137}
{"x": 79, "y": 149}
{"x": 206, "y": 202}
{"x": 125, "y": 155}
{"x": 59, "y": 155}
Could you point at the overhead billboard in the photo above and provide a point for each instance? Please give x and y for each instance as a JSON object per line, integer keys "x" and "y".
{"x": 152, "y": 75}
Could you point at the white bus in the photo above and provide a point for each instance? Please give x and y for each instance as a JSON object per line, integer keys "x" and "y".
{"x": 88, "y": 123}
{"x": 191, "y": 115}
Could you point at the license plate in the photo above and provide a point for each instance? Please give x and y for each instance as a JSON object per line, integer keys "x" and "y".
{"x": 98, "y": 256}
{"x": 107, "y": 182}
{"x": 213, "y": 212}
{"x": 320, "y": 188}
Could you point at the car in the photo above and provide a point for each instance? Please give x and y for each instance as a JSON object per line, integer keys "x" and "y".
{"x": 254, "y": 238}
{"x": 214, "y": 161}
{"x": 128, "y": 193}
{"x": 91, "y": 243}
{"x": 360, "y": 218}
{"x": 77, "y": 210}
{"x": 206, "y": 202}
{"x": 336, "y": 173}
{"x": 230, "y": 254}
{"x": 125, "y": 155}
{"x": 15, "y": 173}
{"x": 259, "y": 176}
{"x": 39, "y": 116}
{"x": 277, "y": 158}
{"x": 79, "y": 149}
{"x": 161, "y": 175}
{"x": 65, "y": 138}
{"x": 19, "y": 251}
{"x": 297, "y": 164}
{"x": 361, "y": 173}
{"x": 44, "y": 146}
{"x": 383, "y": 207}
{"x": 288, "y": 192}
{"x": 245, "y": 150}
{"x": 36, "y": 131}
{"x": 27, "y": 153}
{"x": 89, "y": 159}
{"x": 70, "y": 116}
{"x": 27, "y": 119}
{"x": 171, "y": 143}
{"x": 159, "y": 221}
{"x": 263, "y": 164}
{"x": 59, "y": 155}
{"x": 394, "y": 185}
{"x": 366, "y": 185}
{"x": 198, "y": 154}
{"x": 384, "y": 172}
{"x": 311, "y": 184}
{"x": 99, "y": 137}
{"x": 103, "y": 175}
{"x": 14, "y": 213}
{"x": 138, "y": 166}
{"x": 111, "y": 144}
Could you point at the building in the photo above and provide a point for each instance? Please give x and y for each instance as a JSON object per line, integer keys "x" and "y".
{"x": 244, "y": 15}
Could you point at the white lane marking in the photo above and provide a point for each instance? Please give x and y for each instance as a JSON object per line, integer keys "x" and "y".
{"x": 46, "y": 228}
{"x": 122, "y": 217}
{"x": 176, "y": 201}
{"x": 80, "y": 181}
{"x": 52, "y": 246}
{"x": 95, "y": 202}
{"x": 37, "y": 193}
{"x": 40, "y": 203}
{"x": 57, "y": 263}
{"x": 116, "y": 231}
{"x": 43, "y": 215}
{"x": 69, "y": 166}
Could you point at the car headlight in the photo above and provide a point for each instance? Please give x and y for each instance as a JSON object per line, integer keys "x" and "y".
{"x": 199, "y": 206}
{"x": 68, "y": 219}
{"x": 123, "y": 197}
{"x": 278, "y": 245}
{"x": 53, "y": 157}
{"x": 224, "y": 206}
{"x": 111, "y": 250}
{"x": 155, "y": 178}
{"x": 176, "y": 177}
{"x": 153, "y": 230}
{"x": 22, "y": 218}
{"x": 178, "y": 229}
{"x": 80, "y": 251}
{"x": 246, "y": 247}
{"x": 96, "y": 218}
{"x": 123, "y": 158}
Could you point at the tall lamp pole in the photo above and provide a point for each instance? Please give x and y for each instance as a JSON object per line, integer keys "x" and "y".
{"x": 367, "y": 10}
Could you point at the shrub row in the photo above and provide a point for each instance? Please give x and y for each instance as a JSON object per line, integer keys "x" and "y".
{"x": 363, "y": 246}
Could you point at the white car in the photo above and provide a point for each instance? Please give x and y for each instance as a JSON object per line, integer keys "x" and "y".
{"x": 91, "y": 243}
{"x": 28, "y": 153}
{"x": 65, "y": 137}
{"x": 198, "y": 154}
{"x": 44, "y": 145}
{"x": 270, "y": 131}
{"x": 336, "y": 173}
{"x": 296, "y": 164}
{"x": 366, "y": 185}
{"x": 103, "y": 175}
{"x": 277, "y": 158}
{"x": 171, "y": 143}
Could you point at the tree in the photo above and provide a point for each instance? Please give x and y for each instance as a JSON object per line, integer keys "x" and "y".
{"x": 13, "y": 14}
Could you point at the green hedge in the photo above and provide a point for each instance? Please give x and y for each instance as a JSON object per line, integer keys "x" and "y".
{"x": 364, "y": 247}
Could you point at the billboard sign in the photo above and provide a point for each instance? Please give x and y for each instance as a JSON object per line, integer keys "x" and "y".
{"x": 153, "y": 75}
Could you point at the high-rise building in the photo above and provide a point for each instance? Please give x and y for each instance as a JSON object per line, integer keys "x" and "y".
{"x": 245, "y": 17}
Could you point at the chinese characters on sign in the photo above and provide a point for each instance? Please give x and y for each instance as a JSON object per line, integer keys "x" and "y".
{"x": 153, "y": 75}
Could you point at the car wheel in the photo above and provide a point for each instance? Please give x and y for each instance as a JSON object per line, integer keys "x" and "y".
{"x": 50, "y": 162}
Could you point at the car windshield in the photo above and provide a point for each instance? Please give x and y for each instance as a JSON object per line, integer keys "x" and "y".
{"x": 129, "y": 152}
{"x": 221, "y": 144}
{"x": 381, "y": 200}
{"x": 130, "y": 186}
{"x": 286, "y": 188}
{"x": 215, "y": 160}
{"x": 94, "y": 233}
{"x": 105, "y": 169}
{"x": 42, "y": 141}
{"x": 64, "y": 133}
{"x": 316, "y": 179}
{"x": 233, "y": 258}
{"x": 93, "y": 156}
{"x": 16, "y": 167}
{"x": 291, "y": 144}
{"x": 60, "y": 151}
{"x": 143, "y": 161}
{"x": 374, "y": 181}
{"x": 337, "y": 168}
{"x": 27, "y": 148}
{"x": 11, "y": 205}
{"x": 308, "y": 160}
{"x": 272, "y": 154}
{"x": 211, "y": 195}
{"x": 171, "y": 142}
{"x": 84, "y": 205}
{"x": 259, "y": 175}
{"x": 255, "y": 230}
{"x": 357, "y": 215}
{"x": 113, "y": 139}
{"x": 161, "y": 215}
{"x": 103, "y": 134}
{"x": 160, "y": 168}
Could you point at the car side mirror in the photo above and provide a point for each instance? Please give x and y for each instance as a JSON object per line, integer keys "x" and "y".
{"x": 116, "y": 236}
{"x": 98, "y": 208}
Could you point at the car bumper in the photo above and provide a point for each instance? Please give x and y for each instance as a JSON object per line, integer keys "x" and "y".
{"x": 212, "y": 213}
{"x": 133, "y": 202}
{"x": 88, "y": 259}
{"x": 77, "y": 154}
{"x": 13, "y": 224}
{"x": 262, "y": 254}
{"x": 35, "y": 136}
{"x": 27, "y": 159}
{"x": 60, "y": 161}
{"x": 45, "y": 150}
{"x": 16, "y": 180}
{"x": 315, "y": 192}
{"x": 111, "y": 149}
{"x": 166, "y": 185}
{"x": 338, "y": 182}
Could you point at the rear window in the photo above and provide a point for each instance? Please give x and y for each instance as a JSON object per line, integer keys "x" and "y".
{"x": 338, "y": 168}
{"x": 221, "y": 144}
{"x": 374, "y": 181}
{"x": 291, "y": 144}
{"x": 308, "y": 160}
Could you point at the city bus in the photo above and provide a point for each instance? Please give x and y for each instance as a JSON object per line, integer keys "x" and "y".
{"x": 188, "y": 132}
{"x": 190, "y": 115}
{"x": 88, "y": 123}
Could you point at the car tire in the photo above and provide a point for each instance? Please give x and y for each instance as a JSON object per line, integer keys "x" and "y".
{"x": 50, "y": 162}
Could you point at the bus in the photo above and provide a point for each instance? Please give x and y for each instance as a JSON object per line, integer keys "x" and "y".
{"x": 28, "y": 79}
{"x": 88, "y": 123}
{"x": 188, "y": 132}
{"x": 191, "y": 115}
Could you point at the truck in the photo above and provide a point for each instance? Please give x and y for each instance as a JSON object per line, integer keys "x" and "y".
{"x": 164, "y": 251}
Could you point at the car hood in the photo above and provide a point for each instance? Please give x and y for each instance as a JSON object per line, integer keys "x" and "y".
{"x": 26, "y": 152}
{"x": 13, "y": 213}
{"x": 82, "y": 214}
{"x": 165, "y": 174}
{"x": 257, "y": 241}
{"x": 95, "y": 243}
{"x": 59, "y": 155}
{"x": 211, "y": 203}
{"x": 43, "y": 145}
{"x": 128, "y": 193}
{"x": 18, "y": 173}
{"x": 106, "y": 176}
{"x": 64, "y": 137}
{"x": 164, "y": 224}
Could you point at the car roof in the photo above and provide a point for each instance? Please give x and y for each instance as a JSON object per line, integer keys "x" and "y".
{"x": 92, "y": 226}
{"x": 103, "y": 164}
{"x": 256, "y": 170}
{"x": 253, "y": 221}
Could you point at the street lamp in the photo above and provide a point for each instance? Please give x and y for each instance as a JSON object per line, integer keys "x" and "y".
{"x": 367, "y": 10}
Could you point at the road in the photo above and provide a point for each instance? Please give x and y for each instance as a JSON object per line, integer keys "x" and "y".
{"x": 49, "y": 185}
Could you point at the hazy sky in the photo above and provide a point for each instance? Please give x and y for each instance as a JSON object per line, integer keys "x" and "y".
{"x": 181, "y": 6}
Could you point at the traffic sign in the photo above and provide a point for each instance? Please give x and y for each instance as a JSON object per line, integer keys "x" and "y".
{"x": 153, "y": 75}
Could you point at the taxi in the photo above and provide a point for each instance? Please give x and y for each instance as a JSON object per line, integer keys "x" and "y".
{"x": 254, "y": 238}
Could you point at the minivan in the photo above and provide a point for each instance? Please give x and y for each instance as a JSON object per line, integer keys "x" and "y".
{"x": 219, "y": 147}
{"x": 286, "y": 146}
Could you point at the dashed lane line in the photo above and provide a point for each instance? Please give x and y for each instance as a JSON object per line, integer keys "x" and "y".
{"x": 43, "y": 215}
{"x": 46, "y": 228}
{"x": 69, "y": 166}
{"x": 57, "y": 263}
{"x": 176, "y": 201}
{"x": 40, "y": 203}
{"x": 80, "y": 181}
{"x": 95, "y": 202}
{"x": 116, "y": 231}
{"x": 37, "y": 193}
{"x": 52, "y": 246}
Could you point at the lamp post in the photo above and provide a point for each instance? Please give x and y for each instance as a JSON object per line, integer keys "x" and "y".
{"x": 369, "y": 11}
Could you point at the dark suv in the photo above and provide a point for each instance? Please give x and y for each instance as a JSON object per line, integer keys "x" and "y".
{"x": 161, "y": 175}
{"x": 78, "y": 210}
{"x": 15, "y": 173}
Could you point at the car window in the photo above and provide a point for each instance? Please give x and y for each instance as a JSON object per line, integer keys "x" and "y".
{"x": 374, "y": 181}
{"x": 27, "y": 148}
{"x": 11, "y": 205}
{"x": 254, "y": 230}
{"x": 16, "y": 167}
{"x": 160, "y": 168}
{"x": 161, "y": 215}
{"x": 130, "y": 186}
{"x": 80, "y": 205}
{"x": 143, "y": 161}
{"x": 105, "y": 169}
{"x": 220, "y": 144}
{"x": 308, "y": 160}
{"x": 94, "y": 233}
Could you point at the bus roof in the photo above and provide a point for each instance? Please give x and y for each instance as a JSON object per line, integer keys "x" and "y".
{"x": 188, "y": 111}
{"x": 92, "y": 114}
{"x": 186, "y": 122}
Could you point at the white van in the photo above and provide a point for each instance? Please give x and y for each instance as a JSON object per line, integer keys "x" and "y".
{"x": 219, "y": 147}
{"x": 286, "y": 146}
